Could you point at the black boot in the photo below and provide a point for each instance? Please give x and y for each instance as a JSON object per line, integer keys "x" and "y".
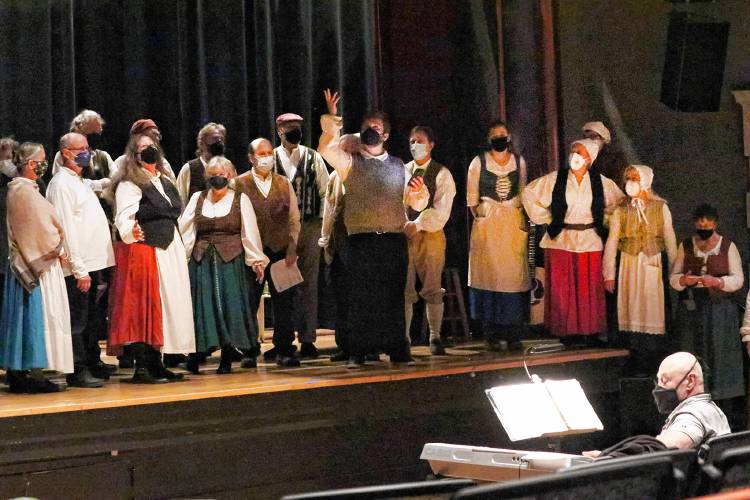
{"x": 82, "y": 377}
{"x": 142, "y": 373}
{"x": 19, "y": 382}
{"x": 225, "y": 365}
{"x": 193, "y": 363}
{"x": 157, "y": 368}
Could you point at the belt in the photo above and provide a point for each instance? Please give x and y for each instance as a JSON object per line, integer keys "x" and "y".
{"x": 579, "y": 227}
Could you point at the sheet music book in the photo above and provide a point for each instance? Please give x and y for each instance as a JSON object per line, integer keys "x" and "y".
{"x": 285, "y": 277}
{"x": 554, "y": 407}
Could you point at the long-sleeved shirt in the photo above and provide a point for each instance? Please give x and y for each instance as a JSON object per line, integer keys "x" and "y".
{"x": 88, "y": 241}
{"x": 331, "y": 208}
{"x": 96, "y": 185}
{"x": 330, "y": 148}
{"x": 183, "y": 181}
{"x": 610, "y": 249}
{"x": 249, "y": 233}
{"x": 264, "y": 186}
{"x": 537, "y": 200}
{"x": 732, "y": 282}
{"x": 434, "y": 218}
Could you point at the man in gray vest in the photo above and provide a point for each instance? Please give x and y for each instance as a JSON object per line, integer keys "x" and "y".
{"x": 377, "y": 186}
{"x": 426, "y": 235}
{"x": 306, "y": 170}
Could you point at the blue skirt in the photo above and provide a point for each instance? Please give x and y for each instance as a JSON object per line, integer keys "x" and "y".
{"x": 22, "y": 345}
{"x": 499, "y": 308}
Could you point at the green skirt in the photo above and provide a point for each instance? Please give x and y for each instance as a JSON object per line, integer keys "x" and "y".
{"x": 222, "y": 298}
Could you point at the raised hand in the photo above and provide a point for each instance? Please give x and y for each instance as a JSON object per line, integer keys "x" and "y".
{"x": 332, "y": 101}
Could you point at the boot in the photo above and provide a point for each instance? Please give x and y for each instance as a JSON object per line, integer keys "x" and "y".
{"x": 81, "y": 377}
{"x": 193, "y": 363}
{"x": 142, "y": 374}
{"x": 225, "y": 365}
{"x": 435, "y": 321}
{"x": 157, "y": 368}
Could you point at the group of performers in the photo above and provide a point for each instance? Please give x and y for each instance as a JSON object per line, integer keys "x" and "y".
{"x": 163, "y": 266}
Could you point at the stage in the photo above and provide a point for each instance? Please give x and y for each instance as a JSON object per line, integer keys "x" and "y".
{"x": 265, "y": 432}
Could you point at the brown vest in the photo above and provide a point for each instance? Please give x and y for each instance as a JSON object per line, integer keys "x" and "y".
{"x": 636, "y": 236}
{"x": 716, "y": 265}
{"x": 224, "y": 233}
{"x": 430, "y": 180}
{"x": 272, "y": 212}
{"x": 197, "y": 177}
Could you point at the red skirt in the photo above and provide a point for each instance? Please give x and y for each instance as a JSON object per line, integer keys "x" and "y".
{"x": 135, "y": 314}
{"x": 574, "y": 304}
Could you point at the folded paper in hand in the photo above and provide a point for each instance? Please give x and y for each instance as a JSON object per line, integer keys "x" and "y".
{"x": 555, "y": 407}
{"x": 285, "y": 277}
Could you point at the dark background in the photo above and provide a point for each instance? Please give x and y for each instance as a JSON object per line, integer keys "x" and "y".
{"x": 241, "y": 63}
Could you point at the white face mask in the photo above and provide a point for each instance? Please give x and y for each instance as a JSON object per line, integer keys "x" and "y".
{"x": 8, "y": 168}
{"x": 576, "y": 161}
{"x": 632, "y": 188}
{"x": 418, "y": 151}
{"x": 264, "y": 163}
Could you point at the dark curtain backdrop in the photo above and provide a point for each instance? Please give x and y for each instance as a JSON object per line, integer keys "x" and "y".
{"x": 183, "y": 64}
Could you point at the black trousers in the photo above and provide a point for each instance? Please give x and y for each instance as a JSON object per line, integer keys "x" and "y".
{"x": 283, "y": 307}
{"x": 341, "y": 289}
{"x": 88, "y": 318}
{"x": 377, "y": 279}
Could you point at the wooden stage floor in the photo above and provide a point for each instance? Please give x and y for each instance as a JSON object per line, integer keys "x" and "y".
{"x": 464, "y": 358}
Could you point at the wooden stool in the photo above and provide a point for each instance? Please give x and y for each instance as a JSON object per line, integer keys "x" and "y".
{"x": 454, "y": 307}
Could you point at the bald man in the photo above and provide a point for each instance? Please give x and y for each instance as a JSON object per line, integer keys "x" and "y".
{"x": 692, "y": 417}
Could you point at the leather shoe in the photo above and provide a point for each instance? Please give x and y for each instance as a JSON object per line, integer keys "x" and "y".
{"x": 373, "y": 357}
{"x": 403, "y": 360}
{"x": 339, "y": 356}
{"x": 224, "y": 368}
{"x": 436, "y": 348}
{"x": 272, "y": 353}
{"x": 83, "y": 378}
{"x": 250, "y": 362}
{"x": 308, "y": 350}
{"x": 142, "y": 376}
{"x": 193, "y": 364}
{"x": 290, "y": 361}
{"x": 46, "y": 386}
{"x": 355, "y": 362}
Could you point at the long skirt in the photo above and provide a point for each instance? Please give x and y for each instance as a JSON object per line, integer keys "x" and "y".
{"x": 640, "y": 294}
{"x": 711, "y": 332}
{"x": 59, "y": 343}
{"x": 22, "y": 342}
{"x": 575, "y": 302}
{"x": 136, "y": 310}
{"x": 222, "y": 299}
{"x": 176, "y": 302}
{"x": 499, "y": 308}
{"x": 377, "y": 277}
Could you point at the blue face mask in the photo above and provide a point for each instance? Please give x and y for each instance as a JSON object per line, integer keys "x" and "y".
{"x": 83, "y": 158}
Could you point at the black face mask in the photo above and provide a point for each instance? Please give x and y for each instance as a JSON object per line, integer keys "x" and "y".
{"x": 666, "y": 399}
{"x": 370, "y": 137}
{"x": 218, "y": 182}
{"x": 216, "y": 149}
{"x": 150, "y": 155}
{"x": 293, "y": 136}
{"x": 704, "y": 234}
{"x": 499, "y": 144}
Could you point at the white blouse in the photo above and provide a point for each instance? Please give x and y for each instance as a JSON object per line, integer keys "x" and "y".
{"x": 537, "y": 199}
{"x": 249, "y": 233}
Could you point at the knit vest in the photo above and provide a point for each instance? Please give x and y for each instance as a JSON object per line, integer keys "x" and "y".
{"x": 636, "y": 236}
{"x": 492, "y": 185}
{"x": 224, "y": 233}
{"x": 716, "y": 265}
{"x": 197, "y": 177}
{"x": 559, "y": 206}
{"x": 156, "y": 216}
{"x": 374, "y": 196}
{"x": 304, "y": 183}
{"x": 272, "y": 212}
{"x": 430, "y": 181}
